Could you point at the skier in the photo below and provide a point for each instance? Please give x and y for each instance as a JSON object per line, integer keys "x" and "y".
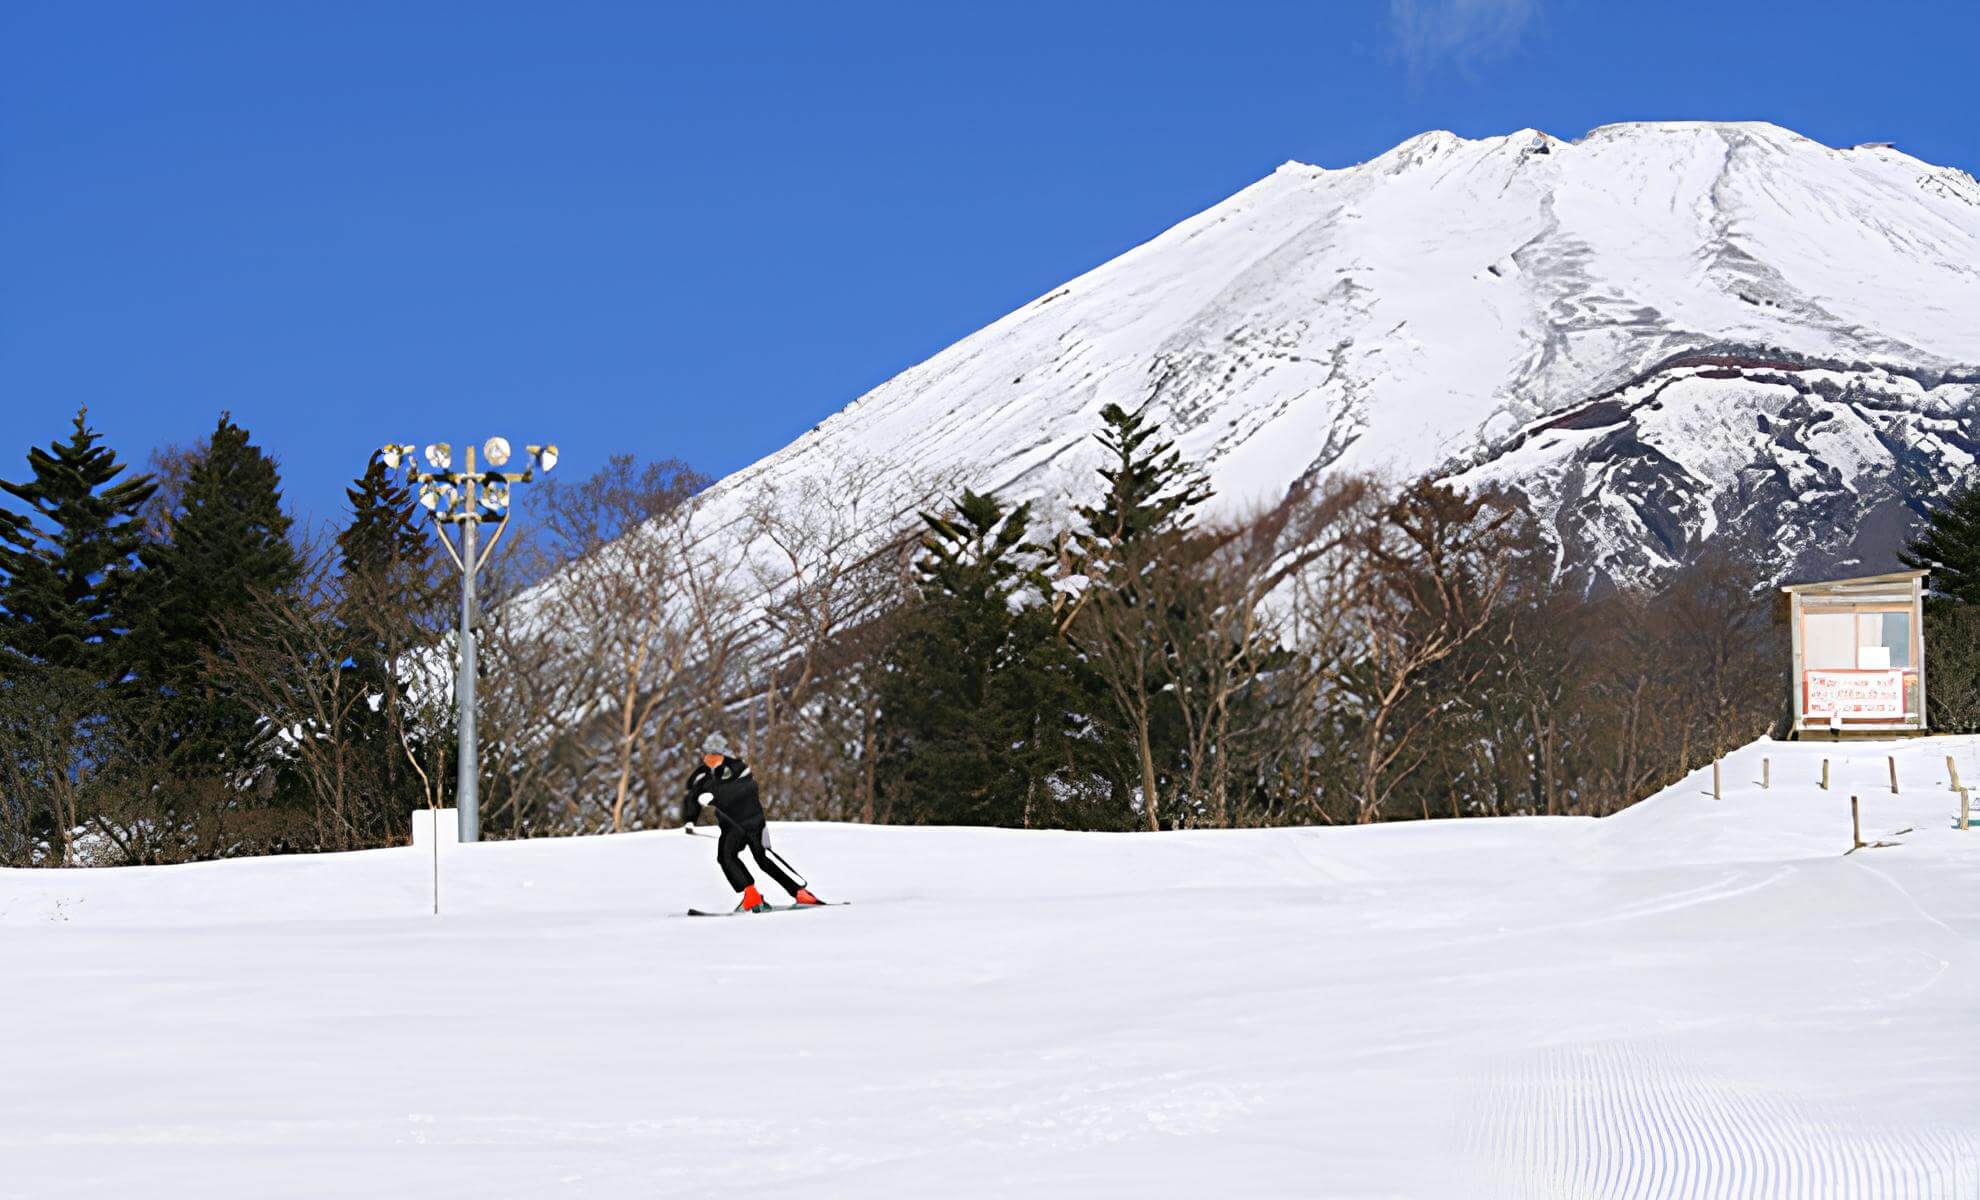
{"x": 722, "y": 782}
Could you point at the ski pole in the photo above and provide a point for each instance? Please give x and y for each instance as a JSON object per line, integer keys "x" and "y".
{"x": 761, "y": 842}
{"x": 772, "y": 852}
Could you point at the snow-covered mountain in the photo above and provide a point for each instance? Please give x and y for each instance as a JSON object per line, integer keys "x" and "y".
{"x": 1661, "y": 332}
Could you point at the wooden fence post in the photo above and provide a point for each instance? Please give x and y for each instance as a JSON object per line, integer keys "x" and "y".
{"x": 1825, "y": 774}
{"x": 1952, "y": 772}
{"x": 1892, "y": 759}
{"x": 1855, "y": 827}
{"x": 1715, "y": 779}
{"x": 1766, "y": 770}
{"x": 1965, "y": 810}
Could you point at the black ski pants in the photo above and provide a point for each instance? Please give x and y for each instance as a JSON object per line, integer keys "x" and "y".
{"x": 750, "y": 833}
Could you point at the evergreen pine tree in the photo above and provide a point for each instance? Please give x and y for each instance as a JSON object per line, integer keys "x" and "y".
{"x": 388, "y": 584}
{"x": 1949, "y": 547}
{"x": 228, "y": 544}
{"x": 1150, "y": 491}
{"x": 383, "y": 536}
{"x": 973, "y": 691}
{"x": 1122, "y": 633}
{"x": 16, "y": 547}
{"x": 65, "y": 582}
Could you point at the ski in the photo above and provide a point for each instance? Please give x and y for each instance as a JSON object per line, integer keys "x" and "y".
{"x": 774, "y": 908}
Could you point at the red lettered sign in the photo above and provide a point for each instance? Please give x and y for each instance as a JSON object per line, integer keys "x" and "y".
{"x": 1873, "y": 695}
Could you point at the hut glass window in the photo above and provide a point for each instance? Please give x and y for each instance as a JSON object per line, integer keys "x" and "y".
{"x": 1831, "y": 641}
{"x": 1894, "y": 634}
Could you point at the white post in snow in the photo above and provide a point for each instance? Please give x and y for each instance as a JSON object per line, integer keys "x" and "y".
{"x": 431, "y": 827}
{"x": 1952, "y": 773}
{"x": 1715, "y": 779}
{"x": 1766, "y": 773}
{"x": 1893, "y": 761}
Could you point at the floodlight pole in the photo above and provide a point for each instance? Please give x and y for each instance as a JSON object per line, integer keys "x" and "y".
{"x": 465, "y": 493}
{"x": 467, "y": 784}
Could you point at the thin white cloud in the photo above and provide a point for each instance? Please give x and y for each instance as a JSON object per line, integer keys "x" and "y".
{"x": 1464, "y": 33}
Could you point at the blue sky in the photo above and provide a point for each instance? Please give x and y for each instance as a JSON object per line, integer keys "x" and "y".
{"x": 696, "y": 230}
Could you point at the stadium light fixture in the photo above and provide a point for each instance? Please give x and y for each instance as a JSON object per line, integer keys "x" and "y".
{"x": 466, "y": 498}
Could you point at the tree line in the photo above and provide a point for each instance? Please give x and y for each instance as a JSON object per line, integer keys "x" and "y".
{"x": 1358, "y": 652}
{"x": 185, "y": 675}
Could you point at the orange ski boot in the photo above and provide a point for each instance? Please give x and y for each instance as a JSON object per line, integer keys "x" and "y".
{"x": 753, "y": 901}
{"x": 805, "y": 899}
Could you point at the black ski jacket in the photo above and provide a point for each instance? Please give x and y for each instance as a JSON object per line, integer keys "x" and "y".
{"x": 727, "y": 785}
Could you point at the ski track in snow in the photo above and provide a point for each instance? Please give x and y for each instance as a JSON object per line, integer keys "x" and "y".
{"x": 1634, "y": 1121}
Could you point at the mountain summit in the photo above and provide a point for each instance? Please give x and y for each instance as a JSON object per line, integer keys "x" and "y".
{"x": 1660, "y": 332}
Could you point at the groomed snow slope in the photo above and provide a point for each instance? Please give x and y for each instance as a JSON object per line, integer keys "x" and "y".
{"x": 1693, "y": 998}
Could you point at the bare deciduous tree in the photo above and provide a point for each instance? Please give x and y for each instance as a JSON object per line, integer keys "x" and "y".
{"x": 54, "y": 747}
{"x": 1234, "y": 650}
{"x": 604, "y": 672}
{"x": 286, "y": 655}
{"x": 1124, "y": 631}
{"x": 831, "y": 564}
{"x": 1435, "y": 564}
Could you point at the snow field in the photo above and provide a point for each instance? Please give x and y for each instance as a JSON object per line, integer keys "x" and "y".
{"x": 1692, "y": 998}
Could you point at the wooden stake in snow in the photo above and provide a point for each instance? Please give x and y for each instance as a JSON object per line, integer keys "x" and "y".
{"x": 1892, "y": 759}
{"x": 1855, "y": 827}
{"x": 1952, "y": 774}
{"x": 1965, "y": 810}
{"x": 1715, "y": 779}
{"x": 1825, "y": 774}
{"x": 1766, "y": 772}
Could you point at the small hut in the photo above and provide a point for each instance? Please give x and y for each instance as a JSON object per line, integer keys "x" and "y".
{"x": 1859, "y": 654}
